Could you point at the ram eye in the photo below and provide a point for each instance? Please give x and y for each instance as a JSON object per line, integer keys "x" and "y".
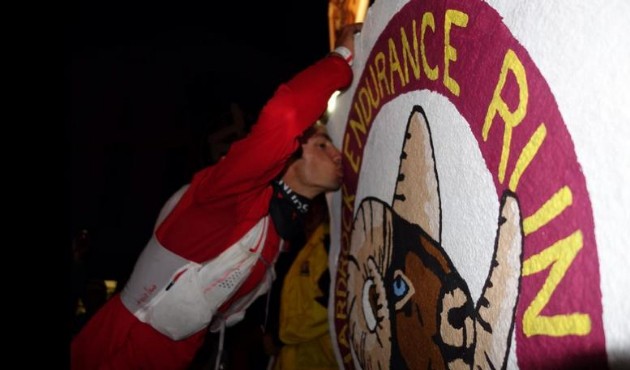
{"x": 402, "y": 289}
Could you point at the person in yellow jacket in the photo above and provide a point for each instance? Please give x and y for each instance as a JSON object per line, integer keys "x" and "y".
{"x": 303, "y": 322}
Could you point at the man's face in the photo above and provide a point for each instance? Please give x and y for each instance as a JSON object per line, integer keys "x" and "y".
{"x": 320, "y": 164}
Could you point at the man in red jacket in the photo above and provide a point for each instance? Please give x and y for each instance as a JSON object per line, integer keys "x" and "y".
{"x": 216, "y": 240}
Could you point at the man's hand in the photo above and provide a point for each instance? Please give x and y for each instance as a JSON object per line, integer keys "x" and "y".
{"x": 345, "y": 37}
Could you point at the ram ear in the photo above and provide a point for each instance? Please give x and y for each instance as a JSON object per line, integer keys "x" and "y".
{"x": 417, "y": 194}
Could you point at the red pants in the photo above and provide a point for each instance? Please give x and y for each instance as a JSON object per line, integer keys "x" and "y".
{"x": 115, "y": 339}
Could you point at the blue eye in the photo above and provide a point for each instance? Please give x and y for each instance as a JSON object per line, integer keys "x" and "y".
{"x": 400, "y": 287}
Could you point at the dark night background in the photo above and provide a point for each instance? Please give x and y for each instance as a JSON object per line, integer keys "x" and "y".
{"x": 146, "y": 84}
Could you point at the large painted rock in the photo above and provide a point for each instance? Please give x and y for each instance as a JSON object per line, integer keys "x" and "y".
{"x": 484, "y": 218}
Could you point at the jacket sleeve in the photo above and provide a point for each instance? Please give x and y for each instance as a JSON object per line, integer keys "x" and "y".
{"x": 258, "y": 158}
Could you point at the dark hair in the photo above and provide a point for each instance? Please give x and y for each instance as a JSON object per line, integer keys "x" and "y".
{"x": 302, "y": 139}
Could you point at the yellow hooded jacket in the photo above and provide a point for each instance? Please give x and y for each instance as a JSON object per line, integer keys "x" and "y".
{"x": 303, "y": 320}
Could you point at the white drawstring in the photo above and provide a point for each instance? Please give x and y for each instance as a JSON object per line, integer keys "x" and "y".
{"x": 272, "y": 361}
{"x": 268, "y": 270}
{"x": 217, "y": 364}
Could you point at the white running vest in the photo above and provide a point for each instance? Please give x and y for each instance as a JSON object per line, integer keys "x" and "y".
{"x": 179, "y": 297}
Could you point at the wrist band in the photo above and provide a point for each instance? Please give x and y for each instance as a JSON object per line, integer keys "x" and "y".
{"x": 345, "y": 53}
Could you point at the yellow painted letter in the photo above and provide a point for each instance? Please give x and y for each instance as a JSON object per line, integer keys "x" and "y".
{"x": 560, "y": 255}
{"x": 450, "y": 53}
{"x": 427, "y": 20}
{"x": 497, "y": 105}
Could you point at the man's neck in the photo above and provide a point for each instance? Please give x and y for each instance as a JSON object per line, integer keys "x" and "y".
{"x": 297, "y": 186}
